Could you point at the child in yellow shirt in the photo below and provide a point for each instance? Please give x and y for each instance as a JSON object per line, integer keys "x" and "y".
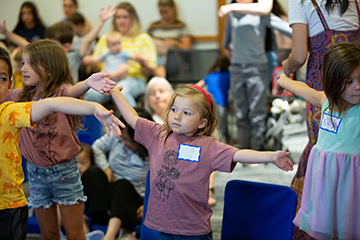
{"x": 13, "y": 118}
{"x": 17, "y": 76}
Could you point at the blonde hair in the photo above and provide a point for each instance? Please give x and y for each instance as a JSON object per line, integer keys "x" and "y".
{"x": 135, "y": 28}
{"x": 170, "y": 4}
{"x": 113, "y": 34}
{"x": 150, "y": 84}
{"x": 203, "y": 106}
{"x": 48, "y": 59}
{"x": 50, "y": 56}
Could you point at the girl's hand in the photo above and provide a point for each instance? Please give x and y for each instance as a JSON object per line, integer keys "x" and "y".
{"x": 107, "y": 118}
{"x": 282, "y": 161}
{"x": 3, "y": 27}
{"x": 100, "y": 83}
{"x": 118, "y": 88}
{"x": 279, "y": 89}
{"x": 108, "y": 13}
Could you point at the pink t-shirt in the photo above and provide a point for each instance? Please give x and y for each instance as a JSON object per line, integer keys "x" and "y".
{"x": 180, "y": 169}
{"x": 53, "y": 139}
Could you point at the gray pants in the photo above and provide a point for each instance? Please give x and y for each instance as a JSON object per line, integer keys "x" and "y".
{"x": 248, "y": 84}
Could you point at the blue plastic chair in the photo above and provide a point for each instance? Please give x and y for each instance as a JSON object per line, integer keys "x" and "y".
{"x": 24, "y": 167}
{"x": 33, "y": 225}
{"x": 93, "y": 126}
{"x": 85, "y": 137}
{"x": 258, "y": 211}
{"x": 147, "y": 233}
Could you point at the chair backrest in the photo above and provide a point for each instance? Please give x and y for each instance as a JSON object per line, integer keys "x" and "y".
{"x": 255, "y": 210}
{"x": 93, "y": 126}
{"x": 189, "y": 66}
{"x": 85, "y": 137}
{"x": 147, "y": 233}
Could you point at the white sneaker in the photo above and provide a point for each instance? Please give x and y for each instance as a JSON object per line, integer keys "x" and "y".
{"x": 127, "y": 236}
{"x": 95, "y": 235}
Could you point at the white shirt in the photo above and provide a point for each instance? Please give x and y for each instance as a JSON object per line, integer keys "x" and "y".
{"x": 304, "y": 12}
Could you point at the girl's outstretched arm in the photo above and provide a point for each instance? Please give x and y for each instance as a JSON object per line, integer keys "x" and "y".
{"x": 279, "y": 158}
{"x": 97, "y": 81}
{"x": 300, "y": 89}
{"x": 262, "y": 7}
{"x": 73, "y": 106}
{"x": 127, "y": 111}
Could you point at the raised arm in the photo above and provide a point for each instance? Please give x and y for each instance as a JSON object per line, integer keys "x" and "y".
{"x": 262, "y": 7}
{"x": 105, "y": 14}
{"x": 73, "y": 106}
{"x": 279, "y": 158}
{"x": 13, "y": 37}
{"x": 97, "y": 81}
{"x": 300, "y": 89}
{"x": 128, "y": 112}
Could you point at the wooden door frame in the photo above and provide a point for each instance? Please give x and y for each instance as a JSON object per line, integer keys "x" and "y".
{"x": 221, "y": 23}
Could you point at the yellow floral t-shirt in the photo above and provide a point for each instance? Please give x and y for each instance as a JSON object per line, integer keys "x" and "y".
{"x": 13, "y": 118}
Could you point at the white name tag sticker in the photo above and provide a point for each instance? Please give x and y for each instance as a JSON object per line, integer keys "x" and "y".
{"x": 189, "y": 153}
{"x": 330, "y": 123}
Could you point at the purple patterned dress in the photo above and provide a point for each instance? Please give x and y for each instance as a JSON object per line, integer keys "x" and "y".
{"x": 317, "y": 46}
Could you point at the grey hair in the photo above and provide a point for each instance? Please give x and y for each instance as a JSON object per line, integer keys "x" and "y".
{"x": 150, "y": 84}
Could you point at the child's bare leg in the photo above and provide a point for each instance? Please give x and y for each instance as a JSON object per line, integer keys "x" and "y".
{"x": 72, "y": 216}
{"x": 86, "y": 225}
{"x": 212, "y": 199}
{"x": 113, "y": 228}
{"x": 48, "y": 222}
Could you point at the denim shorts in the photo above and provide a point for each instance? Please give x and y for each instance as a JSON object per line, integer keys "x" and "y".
{"x": 166, "y": 236}
{"x": 59, "y": 184}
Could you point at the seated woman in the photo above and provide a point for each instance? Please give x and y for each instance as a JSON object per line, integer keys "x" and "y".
{"x": 157, "y": 97}
{"x": 115, "y": 189}
{"x": 29, "y": 25}
{"x": 70, "y": 7}
{"x": 167, "y": 33}
{"x": 134, "y": 41}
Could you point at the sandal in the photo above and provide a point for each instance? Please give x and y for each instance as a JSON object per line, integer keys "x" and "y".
{"x": 212, "y": 199}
